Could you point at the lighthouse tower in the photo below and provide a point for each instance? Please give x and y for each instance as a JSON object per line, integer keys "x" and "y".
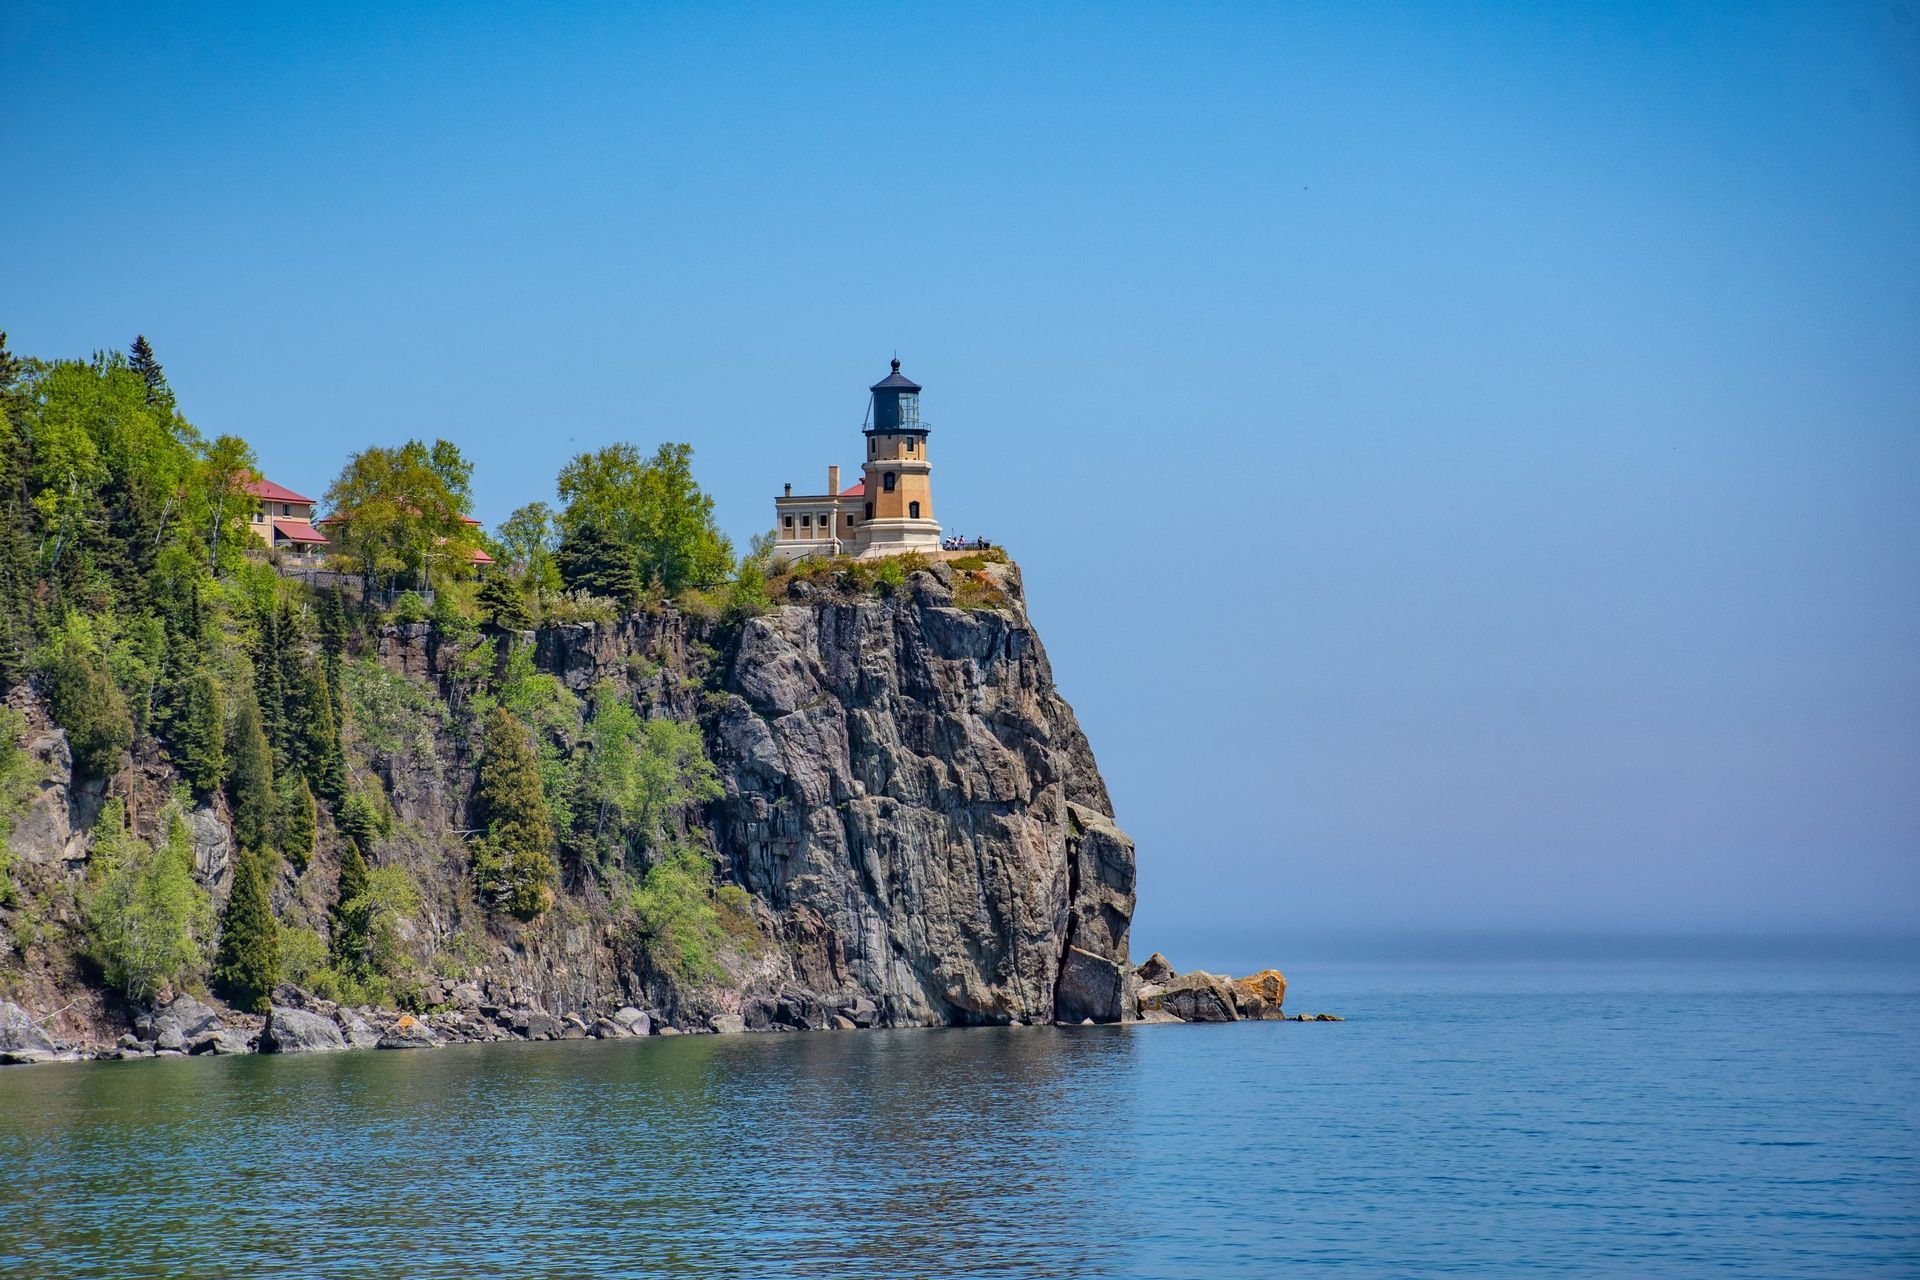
{"x": 898, "y": 502}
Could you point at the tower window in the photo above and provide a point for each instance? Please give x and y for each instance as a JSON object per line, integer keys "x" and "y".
{"x": 909, "y": 408}
{"x": 806, "y": 522}
{"x": 909, "y": 444}
{"x": 789, "y": 522}
{"x": 869, "y": 511}
{"x": 886, "y": 482}
{"x": 913, "y": 510}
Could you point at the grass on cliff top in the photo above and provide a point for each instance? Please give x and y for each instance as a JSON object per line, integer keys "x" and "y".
{"x": 973, "y": 588}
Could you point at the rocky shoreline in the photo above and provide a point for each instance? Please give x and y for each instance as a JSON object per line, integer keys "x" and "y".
{"x": 297, "y": 1022}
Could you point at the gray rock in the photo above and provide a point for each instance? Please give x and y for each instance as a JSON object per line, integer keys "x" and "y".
{"x": 1090, "y": 988}
{"x": 1156, "y": 970}
{"x": 1194, "y": 997}
{"x": 636, "y": 1021}
{"x": 728, "y": 1024}
{"x": 408, "y": 1033}
{"x": 299, "y": 1031}
{"x": 863, "y": 1012}
{"x": 535, "y": 1025}
{"x": 21, "y": 1038}
{"x": 1157, "y": 1015}
{"x": 177, "y": 1024}
{"x": 607, "y": 1029}
{"x": 233, "y": 1040}
{"x": 356, "y": 1030}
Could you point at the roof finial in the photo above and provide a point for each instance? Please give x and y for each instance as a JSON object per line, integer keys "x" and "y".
{"x": 896, "y": 364}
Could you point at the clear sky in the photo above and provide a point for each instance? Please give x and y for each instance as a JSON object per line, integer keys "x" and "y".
{"x": 1465, "y": 458}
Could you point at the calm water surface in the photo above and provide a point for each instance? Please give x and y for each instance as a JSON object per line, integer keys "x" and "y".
{"x": 1498, "y": 1120}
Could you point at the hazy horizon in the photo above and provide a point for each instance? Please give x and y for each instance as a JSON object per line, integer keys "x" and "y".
{"x": 1466, "y": 465}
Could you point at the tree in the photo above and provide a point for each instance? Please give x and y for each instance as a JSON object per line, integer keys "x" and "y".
{"x": 348, "y": 914}
{"x": 141, "y": 360}
{"x": 504, "y": 598}
{"x": 248, "y": 962}
{"x": 147, "y": 920}
{"x": 228, "y": 471}
{"x": 90, "y": 707}
{"x": 592, "y": 560}
{"x": 295, "y": 818}
{"x": 653, "y": 509}
{"x": 394, "y": 510}
{"x": 515, "y": 864}
{"x": 527, "y": 541}
{"x": 199, "y": 730}
{"x": 641, "y": 773}
{"x": 250, "y": 778}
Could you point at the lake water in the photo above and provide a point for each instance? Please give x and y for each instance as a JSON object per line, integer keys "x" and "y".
{"x": 1506, "y": 1119}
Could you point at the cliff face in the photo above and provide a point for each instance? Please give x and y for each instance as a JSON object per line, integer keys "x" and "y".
{"x": 906, "y": 796}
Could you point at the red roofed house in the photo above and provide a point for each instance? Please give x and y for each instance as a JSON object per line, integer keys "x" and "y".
{"x": 283, "y": 520}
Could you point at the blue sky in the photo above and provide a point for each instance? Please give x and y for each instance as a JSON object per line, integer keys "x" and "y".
{"x": 1465, "y": 459}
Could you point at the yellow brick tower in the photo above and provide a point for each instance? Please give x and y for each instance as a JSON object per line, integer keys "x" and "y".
{"x": 898, "y": 510}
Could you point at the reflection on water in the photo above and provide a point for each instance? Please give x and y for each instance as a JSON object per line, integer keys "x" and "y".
{"x": 1489, "y": 1122}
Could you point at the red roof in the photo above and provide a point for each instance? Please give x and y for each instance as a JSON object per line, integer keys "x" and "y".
{"x": 267, "y": 491}
{"x": 859, "y": 490}
{"x": 481, "y": 557}
{"x": 298, "y": 531}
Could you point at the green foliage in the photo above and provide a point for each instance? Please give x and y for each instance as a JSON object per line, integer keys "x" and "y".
{"x": 303, "y": 952}
{"x": 638, "y": 775}
{"x": 980, "y": 559}
{"x": 651, "y": 508}
{"x": 199, "y": 730}
{"x": 250, "y": 778}
{"x": 410, "y": 608}
{"x": 392, "y": 715}
{"x": 247, "y": 965}
{"x": 593, "y": 563}
{"x": 19, "y": 773}
{"x": 527, "y": 539}
{"x": 388, "y": 898}
{"x": 399, "y": 512}
{"x": 513, "y": 865}
{"x": 683, "y": 917}
{"x": 140, "y": 359}
{"x": 362, "y": 819}
{"x": 975, "y": 590}
{"x": 890, "y": 575}
{"x": 294, "y": 819}
{"x": 147, "y": 920}
{"x": 350, "y": 933}
{"x": 88, "y": 705}
{"x": 503, "y": 602}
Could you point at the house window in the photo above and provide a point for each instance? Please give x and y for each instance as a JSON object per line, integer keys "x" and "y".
{"x": 789, "y": 522}
{"x": 806, "y": 522}
{"x": 886, "y": 482}
{"x": 913, "y": 510}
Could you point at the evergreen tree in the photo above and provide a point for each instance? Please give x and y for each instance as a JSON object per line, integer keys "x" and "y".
{"x": 90, "y": 707}
{"x": 199, "y": 732}
{"x": 294, "y": 830}
{"x": 350, "y": 925}
{"x": 250, "y": 779}
{"x": 592, "y": 560}
{"x": 269, "y": 685}
{"x": 515, "y": 864}
{"x": 141, "y": 360}
{"x": 247, "y": 965}
{"x": 314, "y": 732}
{"x": 504, "y": 598}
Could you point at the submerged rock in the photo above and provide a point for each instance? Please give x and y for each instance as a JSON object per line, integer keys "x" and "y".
{"x": 409, "y": 1033}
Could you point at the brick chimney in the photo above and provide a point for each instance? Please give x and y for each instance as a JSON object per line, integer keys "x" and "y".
{"x": 833, "y": 482}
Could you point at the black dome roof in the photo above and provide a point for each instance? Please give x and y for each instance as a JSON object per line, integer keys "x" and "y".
{"x": 895, "y": 381}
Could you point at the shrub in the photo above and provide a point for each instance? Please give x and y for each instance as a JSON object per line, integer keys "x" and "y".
{"x": 410, "y": 608}
{"x": 18, "y": 774}
{"x": 975, "y": 590}
{"x": 890, "y": 574}
{"x": 503, "y": 602}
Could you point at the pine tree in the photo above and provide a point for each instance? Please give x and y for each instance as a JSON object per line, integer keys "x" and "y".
{"x": 89, "y": 706}
{"x": 294, "y": 830}
{"x": 199, "y": 731}
{"x": 141, "y": 360}
{"x": 314, "y": 732}
{"x": 250, "y": 779}
{"x": 592, "y": 560}
{"x": 504, "y": 598}
{"x": 516, "y": 864}
{"x": 351, "y": 935}
{"x": 247, "y": 965}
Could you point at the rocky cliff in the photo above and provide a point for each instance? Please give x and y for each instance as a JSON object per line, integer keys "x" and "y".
{"x": 904, "y": 794}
